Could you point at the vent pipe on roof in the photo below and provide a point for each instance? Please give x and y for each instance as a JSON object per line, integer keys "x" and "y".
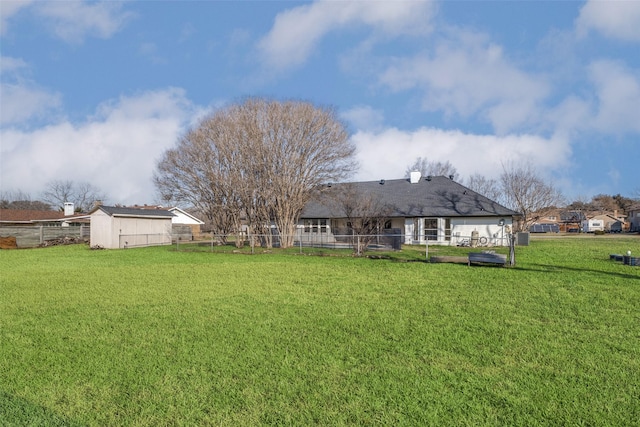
{"x": 414, "y": 177}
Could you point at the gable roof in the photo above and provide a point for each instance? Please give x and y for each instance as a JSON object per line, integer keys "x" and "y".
{"x": 572, "y": 216}
{"x": 177, "y": 212}
{"x": 133, "y": 212}
{"x": 436, "y": 196}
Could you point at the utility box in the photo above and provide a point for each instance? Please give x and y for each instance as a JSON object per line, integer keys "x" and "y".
{"x": 522, "y": 238}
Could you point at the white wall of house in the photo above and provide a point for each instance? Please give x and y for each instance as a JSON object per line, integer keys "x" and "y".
{"x": 488, "y": 228}
{"x": 441, "y": 231}
{"x": 456, "y": 231}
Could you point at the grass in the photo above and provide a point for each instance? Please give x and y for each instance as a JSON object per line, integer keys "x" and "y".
{"x": 149, "y": 337}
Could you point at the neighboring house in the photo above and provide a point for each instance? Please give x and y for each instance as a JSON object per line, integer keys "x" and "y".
{"x": 547, "y": 222}
{"x": 186, "y": 219}
{"x": 120, "y": 227}
{"x": 634, "y": 218}
{"x": 571, "y": 221}
{"x": 31, "y": 227}
{"x": 436, "y": 210}
{"x": 184, "y": 224}
{"x": 611, "y": 222}
{"x": 28, "y": 218}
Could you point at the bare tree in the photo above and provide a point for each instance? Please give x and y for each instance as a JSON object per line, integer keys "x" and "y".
{"x": 21, "y": 200}
{"x": 365, "y": 214}
{"x": 83, "y": 195}
{"x": 433, "y": 168}
{"x": 488, "y": 187}
{"x": 527, "y": 193}
{"x": 259, "y": 159}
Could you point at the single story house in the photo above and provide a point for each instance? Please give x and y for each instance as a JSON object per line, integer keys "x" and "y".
{"x": 50, "y": 218}
{"x": 611, "y": 222}
{"x": 31, "y": 228}
{"x": 432, "y": 209}
{"x": 121, "y": 227}
{"x": 183, "y": 222}
{"x": 185, "y": 218}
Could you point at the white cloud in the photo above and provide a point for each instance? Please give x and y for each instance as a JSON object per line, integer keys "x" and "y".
{"x": 21, "y": 98}
{"x": 613, "y": 19}
{"x": 11, "y": 66}
{"x": 71, "y": 20}
{"x": 364, "y": 117}
{"x": 21, "y": 102}
{"x": 470, "y": 76}
{"x": 618, "y": 92}
{"x": 9, "y": 8}
{"x": 115, "y": 150}
{"x": 387, "y": 154}
{"x": 297, "y": 31}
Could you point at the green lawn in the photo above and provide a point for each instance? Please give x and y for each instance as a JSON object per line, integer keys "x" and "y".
{"x": 153, "y": 337}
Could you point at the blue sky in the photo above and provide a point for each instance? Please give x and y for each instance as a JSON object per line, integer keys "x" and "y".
{"x": 97, "y": 91}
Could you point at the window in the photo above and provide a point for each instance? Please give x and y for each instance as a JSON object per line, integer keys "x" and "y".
{"x": 447, "y": 229}
{"x": 431, "y": 228}
{"x": 315, "y": 225}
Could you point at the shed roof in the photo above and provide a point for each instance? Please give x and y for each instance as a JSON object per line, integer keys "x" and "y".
{"x": 436, "y": 196}
{"x": 133, "y": 212}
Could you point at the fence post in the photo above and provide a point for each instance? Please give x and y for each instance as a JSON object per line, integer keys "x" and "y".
{"x": 426, "y": 250}
{"x": 512, "y": 250}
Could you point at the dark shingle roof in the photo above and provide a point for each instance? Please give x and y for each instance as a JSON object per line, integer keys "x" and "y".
{"x": 122, "y": 211}
{"x": 438, "y": 196}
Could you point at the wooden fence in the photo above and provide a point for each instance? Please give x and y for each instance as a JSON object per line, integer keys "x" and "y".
{"x": 31, "y": 237}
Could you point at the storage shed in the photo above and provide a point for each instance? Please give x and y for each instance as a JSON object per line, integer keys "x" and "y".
{"x": 114, "y": 227}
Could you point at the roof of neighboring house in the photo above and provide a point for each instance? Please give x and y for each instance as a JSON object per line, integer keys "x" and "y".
{"x": 133, "y": 212}
{"x": 187, "y": 214}
{"x": 436, "y": 196}
{"x": 572, "y": 216}
{"x": 26, "y": 216}
{"x": 172, "y": 209}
